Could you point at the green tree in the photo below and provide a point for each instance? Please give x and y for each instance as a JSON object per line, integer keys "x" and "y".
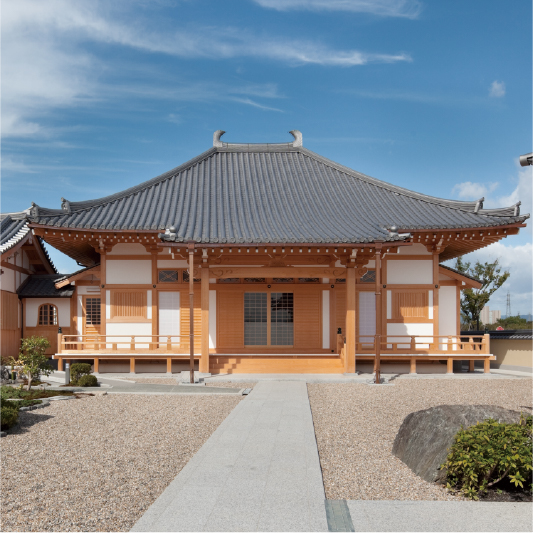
{"x": 32, "y": 359}
{"x": 474, "y": 300}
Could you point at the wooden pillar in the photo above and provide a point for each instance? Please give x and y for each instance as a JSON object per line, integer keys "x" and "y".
{"x": 471, "y": 365}
{"x": 155, "y": 303}
{"x": 169, "y": 365}
{"x": 103, "y": 298}
{"x": 449, "y": 366}
{"x": 204, "y": 361}
{"x": 486, "y": 366}
{"x": 132, "y": 365}
{"x": 436, "y": 288}
{"x": 349, "y": 356}
{"x": 60, "y": 364}
{"x": 59, "y": 342}
{"x": 96, "y": 365}
{"x": 413, "y": 366}
{"x": 191, "y": 311}
{"x": 377, "y": 360}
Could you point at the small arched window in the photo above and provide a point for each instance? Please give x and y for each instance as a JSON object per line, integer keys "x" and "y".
{"x": 47, "y": 315}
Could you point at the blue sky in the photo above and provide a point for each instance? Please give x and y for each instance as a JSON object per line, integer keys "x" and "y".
{"x": 430, "y": 95}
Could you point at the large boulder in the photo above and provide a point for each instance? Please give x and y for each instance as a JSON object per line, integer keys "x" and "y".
{"x": 424, "y": 437}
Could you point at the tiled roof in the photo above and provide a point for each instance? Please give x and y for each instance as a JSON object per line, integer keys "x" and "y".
{"x": 515, "y": 334}
{"x": 279, "y": 193}
{"x": 43, "y": 286}
{"x": 12, "y": 230}
{"x": 63, "y": 277}
{"x": 459, "y": 272}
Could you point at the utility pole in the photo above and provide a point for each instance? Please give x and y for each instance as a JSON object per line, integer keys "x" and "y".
{"x": 508, "y": 308}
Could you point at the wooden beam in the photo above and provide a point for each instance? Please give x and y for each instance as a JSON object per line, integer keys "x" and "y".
{"x": 276, "y": 272}
{"x": 204, "y": 361}
{"x": 68, "y": 281}
{"x": 20, "y": 269}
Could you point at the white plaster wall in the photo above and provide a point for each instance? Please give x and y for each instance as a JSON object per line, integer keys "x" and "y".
{"x": 128, "y": 272}
{"x": 410, "y": 272}
{"x": 130, "y": 328}
{"x": 443, "y": 277}
{"x": 423, "y": 332}
{"x": 415, "y": 249}
{"x": 32, "y": 310}
{"x": 149, "y": 305}
{"x": 128, "y": 249}
{"x": 212, "y": 319}
{"x": 325, "y": 320}
{"x": 7, "y": 280}
{"x": 430, "y": 304}
{"x": 172, "y": 263}
{"x": 88, "y": 289}
{"x": 447, "y": 311}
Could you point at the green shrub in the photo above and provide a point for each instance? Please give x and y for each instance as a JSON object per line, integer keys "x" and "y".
{"x": 489, "y": 452}
{"x": 77, "y": 370}
{"x": 87, "y": 381}
{"x": 9, "y": 415}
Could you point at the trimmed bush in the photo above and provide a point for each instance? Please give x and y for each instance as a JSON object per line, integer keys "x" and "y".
{"x": 77, "y": 370}
{"x": 87, "y": 381}
{"x": 485, "y": 454}
{"x": 9, "y": 415}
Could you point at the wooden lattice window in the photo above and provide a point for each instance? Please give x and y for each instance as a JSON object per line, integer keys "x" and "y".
{"x": 92, "y": 311}
{"x": 308, "y": 280}
{"x": 168, "y": 276}
{"x": 228, "y": 280}
{"x": 47, "y": 315}
{"x": 128, "y": 304}
{"x": 282, "y": 280}
{"x": 410, "y": 304}
{"x": 186, "y": 277}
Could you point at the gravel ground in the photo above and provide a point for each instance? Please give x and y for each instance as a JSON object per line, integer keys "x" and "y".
{"x": 355, "y": 426}
{"x": 154, "y": 381}
{"x": 97, "y": 463}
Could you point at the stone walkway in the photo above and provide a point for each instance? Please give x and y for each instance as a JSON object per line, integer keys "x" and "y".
{"x": 259, "y": 471}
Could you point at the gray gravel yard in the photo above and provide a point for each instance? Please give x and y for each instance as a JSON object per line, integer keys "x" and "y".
{"x": 97, "y": 463}
{"x": 173, "y": 381}
{"x": 355, "y": 426}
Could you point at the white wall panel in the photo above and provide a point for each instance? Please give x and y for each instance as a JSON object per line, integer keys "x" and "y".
{"x": 448, "y": 311}
{"x": 32, "y": 310}
{"x": 169, "y": 315}
{"x": 149, "y": 305}
{"x": 367, "y": 316}
{"x": 389, "y": 304}
{"x": 430, "y": 305}
{"x": 107, "y": 305}
{"x": 89, "y": 289}
{"x": 415, "y": 249}
{"x": 128, "y": 272}
{"x": 130, "y": 329}
{"x": 410, "y": 272}
{"x": 212, "y": 319}
{"x": 7, "y": 280}
{"x": 422, "y": 332}
{"x": 325, "y": 320}
{"x": 128, "y": 249}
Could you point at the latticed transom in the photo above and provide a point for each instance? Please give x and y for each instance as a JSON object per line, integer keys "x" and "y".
{"x": 47, "y": 315}
{"x": 168, "y": 276}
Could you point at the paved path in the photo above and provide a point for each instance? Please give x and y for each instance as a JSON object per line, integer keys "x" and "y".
{"x": 440, "y": 516}
{"x": 259, "y": 471}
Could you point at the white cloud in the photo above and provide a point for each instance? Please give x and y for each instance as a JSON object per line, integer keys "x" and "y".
{"x": 46, "y": 65}
{"x": 473, "y": 191}
{"x": 523, "y": 191}
{"x": 383, "y": 8}
{"x": 249, "y": 101}
{"x": 518, "y": 260}
{"x": 497, "y": 89}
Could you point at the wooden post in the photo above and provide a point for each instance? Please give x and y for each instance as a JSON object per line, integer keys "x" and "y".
{"x": 471, "y": 365}
{"x": 96, "y": 365}
{"x": 60, "y": 364}
{"x": 413, "y": 366}
{"x": 377, "y": 360}
{"x": 191, "y": 310}
{"x": 349, "y": 356}
{"x": 103, "y": 299}
{"x": 486, "y": 365}
{"x": 340, "y": 342}
{"x": 169, "y": 365}
{"x": 486, "y": 343}
{"x": 449, "y": 365}
{"x": 204, "y": 361}
{"x": 132, "y": 365}
{"x": 59, "y": 341}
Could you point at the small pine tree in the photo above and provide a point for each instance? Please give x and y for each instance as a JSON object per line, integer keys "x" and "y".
{"x": 32, "y": 359}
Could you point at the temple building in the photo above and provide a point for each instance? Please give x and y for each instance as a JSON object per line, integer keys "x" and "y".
{"x": 278, "y": 260}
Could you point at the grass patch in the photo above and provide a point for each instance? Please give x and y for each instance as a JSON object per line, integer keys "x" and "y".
{"x": 11, "y": 393}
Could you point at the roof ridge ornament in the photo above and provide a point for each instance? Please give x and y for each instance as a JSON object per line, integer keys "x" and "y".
{"x": 298, "y": 138}
{"x": 517, "y": 209}
{"x": 479, "y": 204}
{"x": 217, "y": 143}
{"x": 65, "y": 205}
